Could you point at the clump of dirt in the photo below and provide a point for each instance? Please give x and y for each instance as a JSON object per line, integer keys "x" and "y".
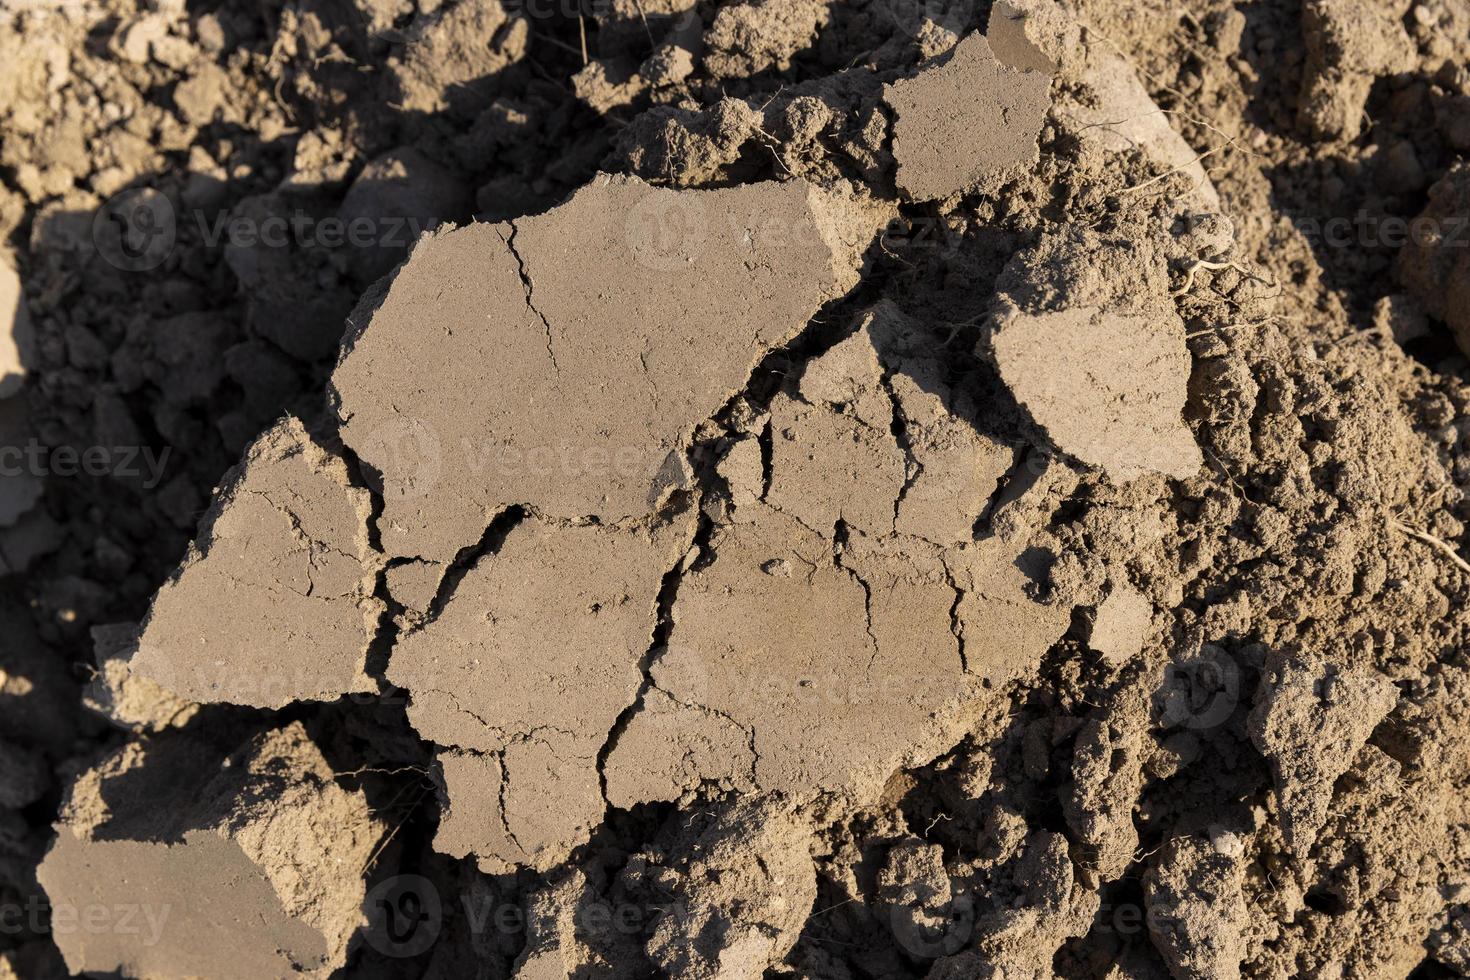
{"x": 675, "y": 488}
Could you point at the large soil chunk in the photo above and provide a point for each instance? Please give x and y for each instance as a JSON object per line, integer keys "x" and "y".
{"x": 1435, "y": 266}
{"x": 575, "y": 352}
{"x": 1121, "y": 624}
{"x": 195, "y": 845}
{"x": 1021, "y": 32}
{"x": 744, "y": 886}
{"x": 17, "y": 336}
{"x": 1112, "y": 110}
{"x": 274, "y": 603}
{"x": 762, "y": 36}
{"x": 1310, "y": 720}
{"x": 1197, "y": 915}
{"x": 963, "y": 119}
{"x": 1349, "y": 44}
{"x": 826, "y": 639}
{"x": 454, "y": 54}
{"x": 840, "y": 667}
{"x": 1108, "y": 388}
{"x": 527, "y": 667}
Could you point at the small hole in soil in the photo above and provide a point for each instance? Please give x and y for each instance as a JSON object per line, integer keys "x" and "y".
{"x": 1321, "y": 900}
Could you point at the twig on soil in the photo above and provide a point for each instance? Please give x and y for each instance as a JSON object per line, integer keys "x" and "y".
{"x": 774, "y": 95}
{"x": 1260, "y": 895}
{"x": 385, "y": 772}
{"x": 773, "y": 145}
{"x": 643, "y": 15}
{"x": 883, "y": 244}
{"x": 955, "y": 328}
{"x": 548, "y": 76}
{"x": 933, "y": 823}
{"x": 1211, "y": 331}
{"x": 582, "y": 32}
{"x": 1139, "y": 854}
{"x": 388, "y": 838}
{"x": 846, "y": 901}
{"x": 1438, "y": 544}
{"x": 1226, "y": 470}
{"x": 1179, "y": 169}
{"x": 562, "y": 44}
{"x": 1212, "y": 266}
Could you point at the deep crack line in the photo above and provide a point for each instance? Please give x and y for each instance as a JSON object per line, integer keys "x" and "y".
{"x": 1011, "y": 479}
{"x": 510, "y": 243}
{"x": 503, "y": 792}
{"x": 840, "y": 534}
{"x": 658, "y": 641}
{"x": 955, "y": 626}
{"x": 495, "y": 534}
{"x": 913, "y": 468}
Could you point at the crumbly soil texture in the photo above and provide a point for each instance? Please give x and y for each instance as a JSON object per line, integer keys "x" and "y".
{"x": 811, "y": 489}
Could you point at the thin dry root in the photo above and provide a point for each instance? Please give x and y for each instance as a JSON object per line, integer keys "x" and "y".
{"x": 1199, "y": 264}
{"x": 1437, "y": 544}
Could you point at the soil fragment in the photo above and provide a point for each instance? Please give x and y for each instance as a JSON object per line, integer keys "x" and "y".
{"x": 1108, "y": 388}
{"x": 198, "y": 847}
{"x": 274, "y": 602}
{"x": 963, "y": 119}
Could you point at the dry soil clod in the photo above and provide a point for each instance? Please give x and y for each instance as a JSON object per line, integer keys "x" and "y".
{"x": 1310, "y": 719}
{"x": 275, "y": 603}
{"x": 622, "y": 319}
{"x": 1435, "y": 267}
{"x": 1108, "y": 388}
{"x": 195, "y": 847}
{"x": 531, "y": 720}
{"x": 834, "y": 609}
{"x": 965, "y": 118}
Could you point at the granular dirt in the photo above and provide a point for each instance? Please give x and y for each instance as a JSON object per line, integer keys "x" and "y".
{"x": 788, "y": 488}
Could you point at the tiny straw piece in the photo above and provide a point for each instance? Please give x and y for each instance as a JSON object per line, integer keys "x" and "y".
{"x": 1214, "y": 266}
{"x": 643, "y": 14}
{"x": 582, "y": 30}
{"x": 1437, "y": 544}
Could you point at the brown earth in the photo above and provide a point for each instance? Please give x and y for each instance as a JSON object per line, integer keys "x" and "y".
{"x": 799, "y": 488}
